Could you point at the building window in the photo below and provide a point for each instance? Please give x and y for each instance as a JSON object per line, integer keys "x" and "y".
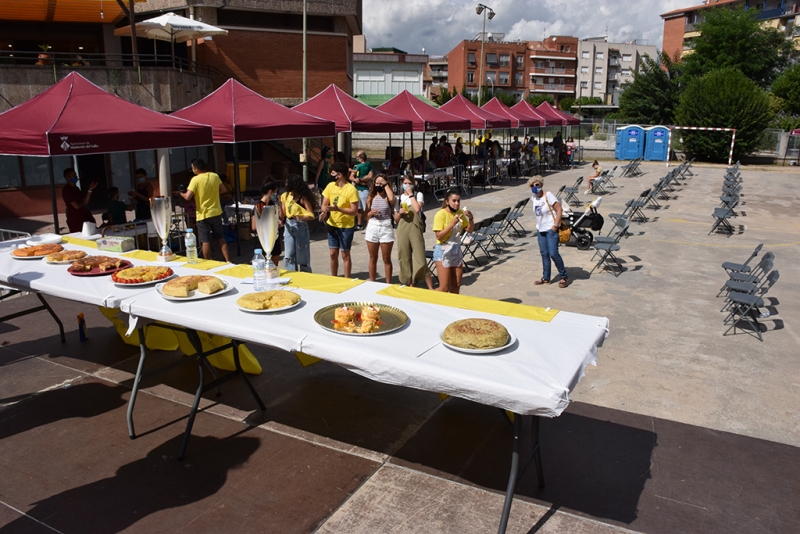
{"x": 598, "y": 55}
{"x": 491, "y": 59}
{"x": 585, "y": 85}
{"x": 505, "y": 60}
{"x": 568, "y": 46}
{"x": 539, "y": 80}
{"x": 626, "y": 72}
{"x": 539, "y": 63}
{"x": 561, "y": 65}
{"x": 503, "y": 78}
{"x": 585, "y": 54}
{"x": 520, "y": 61}
{"x": 598, "y": 85}
{"x": 9, "y": 172}
{"x": 491, "y": 76}
{"x": 598, "y": 70}
{"x": 627, "y": 57}
{"x": 518, "y": 78}
{"x": 471, "y": 76}
{"x": 584, "y": 70}
{"x": 471, "y": 59}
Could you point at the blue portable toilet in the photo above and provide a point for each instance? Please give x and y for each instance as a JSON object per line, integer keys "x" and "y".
{"x": 629, "y": 142}
{"x": 656, "y": 147}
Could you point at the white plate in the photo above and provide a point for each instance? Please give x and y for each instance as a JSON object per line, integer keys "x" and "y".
{"x": 62, "y": 262}
{"x": 271, "y": 310}
{"x": 94, "y": 237}
{"x": 44, "y": 239}
{"x": 30, "y": 257}
{"x": 194, "y": 295}
{"x": 511, "y": 340}
{"x": 151, "y": 282}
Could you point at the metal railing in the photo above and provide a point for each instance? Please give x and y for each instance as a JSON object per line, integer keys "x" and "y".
{"x": 553, "y": 70}
{"x": 551, "y": 87}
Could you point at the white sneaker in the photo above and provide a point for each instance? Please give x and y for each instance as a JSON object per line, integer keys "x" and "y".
{"x": 586, "y": 192}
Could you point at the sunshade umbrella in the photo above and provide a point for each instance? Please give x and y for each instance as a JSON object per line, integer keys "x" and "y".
{"x": 173, "y": 28}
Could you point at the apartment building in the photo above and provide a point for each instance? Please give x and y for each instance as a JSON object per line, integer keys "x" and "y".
{"x": 680, "y": 25}
{"x": 436, "y": 75}
{"x": 504, "y": 65}
{"x": 381, "y": 73}
{"x": 603, "y": 67}
{"x": 552, "y": 66}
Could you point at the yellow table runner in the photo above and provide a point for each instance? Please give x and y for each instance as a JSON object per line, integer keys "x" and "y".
{"x": 465, "y": 302}
{"x": 205, "y": 265}
{"x": 81, "y": 242}
{"x": 315, "y": 282}
{"x": 238, "y": 271}
{"x": 149, "y": 255}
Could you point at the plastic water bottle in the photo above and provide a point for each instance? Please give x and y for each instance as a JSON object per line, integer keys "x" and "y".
{"x": 191, "y": 246}
{"x": 272, "y": 272}
{"x": 259, "y": 271}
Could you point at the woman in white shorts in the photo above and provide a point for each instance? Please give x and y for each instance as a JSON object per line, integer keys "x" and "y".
{"x": 380, "y": 233}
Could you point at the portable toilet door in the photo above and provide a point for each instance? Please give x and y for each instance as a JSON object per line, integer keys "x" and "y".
{"x": 656, "y": 147}
{"x": 619, "y": 144}
{"x": 632, "y": 143}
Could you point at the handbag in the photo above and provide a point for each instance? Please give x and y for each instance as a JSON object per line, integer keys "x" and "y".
{"x": 564, "y": 231}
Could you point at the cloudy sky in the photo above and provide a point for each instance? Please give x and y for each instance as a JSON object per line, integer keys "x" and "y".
{"x": 439, "y": 25}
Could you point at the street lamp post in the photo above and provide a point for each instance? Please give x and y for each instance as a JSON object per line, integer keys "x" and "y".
{"x": 487, "y": 11}
{"x": 491, "y": 82}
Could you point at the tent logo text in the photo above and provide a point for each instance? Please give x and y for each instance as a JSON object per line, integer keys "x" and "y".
{"x": 64, "y": 144}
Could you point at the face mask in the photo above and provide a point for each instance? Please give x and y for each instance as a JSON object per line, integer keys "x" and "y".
{"x": 141, "y": 179}
{"x": 536, "y": 190}
{"x": 73, "y": 180}
{"x": 274, "y": 199}
{"x": 452, "y": 209}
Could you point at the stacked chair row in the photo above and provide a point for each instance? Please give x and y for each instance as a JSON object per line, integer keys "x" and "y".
{"x": 744, "y": 293}
{"x": 731, "y": 189}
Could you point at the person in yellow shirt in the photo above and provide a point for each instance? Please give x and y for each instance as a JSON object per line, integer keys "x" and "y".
{"x": 448, "y": 223}
{"x": 338, "y": 211}
{"x": 298, "y": 205}
{"x": 205, "y": 188}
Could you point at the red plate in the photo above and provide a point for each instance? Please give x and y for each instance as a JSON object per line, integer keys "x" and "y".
{"x": 97, "y": 272}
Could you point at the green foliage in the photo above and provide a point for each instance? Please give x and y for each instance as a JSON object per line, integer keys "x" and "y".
{"x": 565, "y": 104}
{"x": 785, "y": 121}
{"x": 455, "y": 92}
{"x": 735, "y": 38}
{"x": 723, "y": 98}
{"x": 787, "y": 87}
{"x": 444, "y": 96}
{"x": 506, "y": 98}
{"x": 535, "y": 100}
{"x": 589, "y": 101}
{"x": 654, "y": 93}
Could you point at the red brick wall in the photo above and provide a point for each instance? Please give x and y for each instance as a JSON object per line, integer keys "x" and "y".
{"x": 457, "y": 64}
{"x": 673, "y": 36}
{"x": 271, "y": 63}
{"x": 456, "y": 67}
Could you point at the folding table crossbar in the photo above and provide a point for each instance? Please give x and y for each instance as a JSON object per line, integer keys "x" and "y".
{"x": 44, "y": 306}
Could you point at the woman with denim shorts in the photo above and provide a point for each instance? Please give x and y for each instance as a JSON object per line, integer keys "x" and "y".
{"x": 380, "y": 234}
{"x": 547, "y": 209}
{"x": 448, "y": 224}
{"x": 338, "y": 212}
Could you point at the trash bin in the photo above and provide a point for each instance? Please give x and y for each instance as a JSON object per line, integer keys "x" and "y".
{"x": 242, "y": 175}
{"x": 655, "y": 146}
{"x": 629, "y": 143}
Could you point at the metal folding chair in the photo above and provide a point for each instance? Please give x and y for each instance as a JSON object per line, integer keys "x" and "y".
{"x": 732, "y": 267}
{"x": 721, "y": 216}
{"x": 606, "y": 252}
{"x": 757, "y": 272}
{"x": 572, "y": 193}
{"x": 745, "y": 308}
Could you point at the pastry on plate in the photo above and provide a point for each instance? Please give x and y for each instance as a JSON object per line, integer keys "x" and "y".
{"x": 37, "y": 250}
{"x": 370, "y": 317}
{"x": 103, "y": 263}
{"x": 268, "y": 300}
{"x": 344, "y": 319}
{"x": 141, "y": 274}
{"x": 65, "y": 255}
{"x": 181, "y": 286}
{"x": 475, "y": 334}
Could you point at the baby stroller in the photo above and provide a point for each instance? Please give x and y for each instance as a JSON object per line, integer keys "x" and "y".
{"x": 582, "y": 224}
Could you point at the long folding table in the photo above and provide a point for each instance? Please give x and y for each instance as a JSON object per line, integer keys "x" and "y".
{"x": 533, "y": 377}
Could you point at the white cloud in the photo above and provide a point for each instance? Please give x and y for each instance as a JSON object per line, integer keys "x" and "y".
{"x": 439, "y": 25}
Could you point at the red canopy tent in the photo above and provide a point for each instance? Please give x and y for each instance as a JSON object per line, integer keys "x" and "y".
{"x": 524, "y": 107}
{"x": 238, "y": 114}
{"x": 795, "y": 132}
{"x": 546, "y": 108}
{"x": 480, "y": 119}
{"x": 75, "y": 117}
{"x": 424, "y": 117}
{"x": 522, "y": 120}
{"x": 349, "y": 114}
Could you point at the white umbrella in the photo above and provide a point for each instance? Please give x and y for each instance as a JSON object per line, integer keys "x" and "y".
{"x": 173, "y": 28}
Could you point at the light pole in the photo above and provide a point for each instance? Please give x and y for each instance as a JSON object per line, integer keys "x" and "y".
{"x": 491, "y": 82}
{"x": 487, "y": 11}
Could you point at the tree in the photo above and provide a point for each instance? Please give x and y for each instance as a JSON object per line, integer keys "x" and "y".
{"x": 444, "y": 96}
{"x": 654, "y": 93}
{"x": 506, "y": 98}
{"x": 535, "y": 100}
{"x": 723, "y": 98}
{"x": 735, "y": 38}
{"x": 787, "y": 87}
{"x": 565, "y": 104}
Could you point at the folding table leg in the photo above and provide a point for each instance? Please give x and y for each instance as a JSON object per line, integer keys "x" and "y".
{"x": 515, "y": 471}
{"x": 136, "y": 380}
{"x": 54, "y": 316}
{"x": 244, "y": 376}
{"x": 188, "y": 432}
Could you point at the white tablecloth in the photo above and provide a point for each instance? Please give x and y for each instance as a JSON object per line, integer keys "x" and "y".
{"x": 534, "y": 376}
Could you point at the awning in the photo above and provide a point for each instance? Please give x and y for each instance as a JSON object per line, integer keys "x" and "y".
{"x": 522, "y": 120}
{"x": 63, "y": 10}
{"x": 374, "y": 101}
{"x": 425, "y": 118}
{"x": 480, "y": 119}
{"x": 238, "y": 114}
{"x": 548, "y": 109}
{"x": 350, "y": 115}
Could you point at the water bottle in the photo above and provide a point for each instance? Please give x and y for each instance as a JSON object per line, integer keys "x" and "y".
{"x": 191, "y": 246}
{"x": 259, "y": 271}
{"x": 272, "y": 272}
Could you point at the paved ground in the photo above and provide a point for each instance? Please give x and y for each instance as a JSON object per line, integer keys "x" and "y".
{"x": 678, "y": 429}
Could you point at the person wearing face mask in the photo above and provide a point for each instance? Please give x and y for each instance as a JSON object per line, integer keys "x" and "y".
{"x": 75, "y": 201}
{"x": 448, "y": 223}
{"x": 411, "y": 236}
{"x": 141, "y": 195}
{"x": 269, "y": 197}
{"x": 547, "y": 209}
{"x": 380, "y": 234}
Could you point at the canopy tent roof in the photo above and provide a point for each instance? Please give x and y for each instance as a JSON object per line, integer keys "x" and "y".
{"x": 795, "y": 132}
{"x": 524, "y": 107}
{"x": 424, "y": 117}
{"x": 374, "y": 101}
{"x": 350, "y": 115}
{"x": 238, "y": 114}
{"x": 169, "y": 27}
{"x": 62, "y": 10}
{"x": 518, "y": 119}
{"x": 546, "y": 108}
{"x": 479, "y": 118}
{"x": 74, "y": 117}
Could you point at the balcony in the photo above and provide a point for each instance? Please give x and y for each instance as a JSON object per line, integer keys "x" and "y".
{"x": 613, "y": 62}
{"x": 553, "y": 71}
{"x": 551, "y": 88}
{"x": 155, "y": 84}
{"x": 774, "y": 12}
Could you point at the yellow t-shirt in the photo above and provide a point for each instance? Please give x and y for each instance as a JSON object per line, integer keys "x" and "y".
{"x": 206, "y": 195}
{"x": 342, "y": 197}
{"x": 536, "y": 152}
{"x": 443, "y": 218}
{"x": 293, "y": 209}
